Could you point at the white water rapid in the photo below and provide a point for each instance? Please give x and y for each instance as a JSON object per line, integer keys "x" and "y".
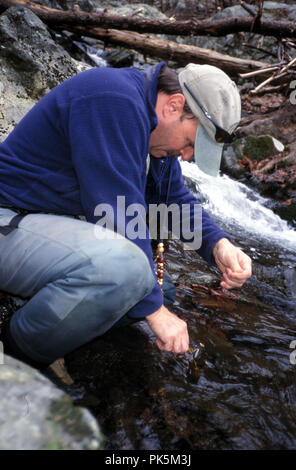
{"x": 240, "y": 207}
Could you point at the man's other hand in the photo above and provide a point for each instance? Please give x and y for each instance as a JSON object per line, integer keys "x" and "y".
{"x": 171, "y": 331}
{"x": 235, "y": 265}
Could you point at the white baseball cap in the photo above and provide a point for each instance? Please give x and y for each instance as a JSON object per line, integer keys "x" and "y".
{"x": 214, "y": 99}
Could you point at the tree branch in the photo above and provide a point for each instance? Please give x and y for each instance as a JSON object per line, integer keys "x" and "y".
{"x": 182, "y": 54}
{"x": 54, "y": 17}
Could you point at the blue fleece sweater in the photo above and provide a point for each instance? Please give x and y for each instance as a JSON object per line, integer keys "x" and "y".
{"x": 85, "y": 143}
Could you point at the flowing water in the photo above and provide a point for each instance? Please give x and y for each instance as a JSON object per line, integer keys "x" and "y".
{"x": 240, "y": 393}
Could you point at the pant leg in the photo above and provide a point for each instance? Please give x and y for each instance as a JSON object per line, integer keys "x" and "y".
{"x": 169, "y": 290}
{"x": 79, "y": 286}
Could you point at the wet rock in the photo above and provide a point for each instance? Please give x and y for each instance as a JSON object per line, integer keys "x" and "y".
{"x": 31, "y": 63}
{"x": 230, "y": 163}
{"x": 279, "y": 189}
{"x": 36, "y": 415}
{"x": 120, "y": 57}
{"x": 286, "y": 211}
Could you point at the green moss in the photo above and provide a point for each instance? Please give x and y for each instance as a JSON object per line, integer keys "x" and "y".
{"x": 259, "y": 147}
{"x": 255, "y": 147}
{"x": 70, "y": 418}
{"x": 67, "y": 419}
{"x": 54, "y": 441}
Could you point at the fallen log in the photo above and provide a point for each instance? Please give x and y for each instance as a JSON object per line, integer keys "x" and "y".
{"x": 54, "y": 17}
{"x": 182, "y": 54}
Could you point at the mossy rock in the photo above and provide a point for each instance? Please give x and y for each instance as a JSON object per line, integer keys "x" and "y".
{"x": 257, "y": 147}
{"x": 36, "y": 415}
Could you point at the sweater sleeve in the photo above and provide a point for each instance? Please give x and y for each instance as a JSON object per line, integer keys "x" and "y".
{"x": 109, "y": 136}
{"x": 211, "y": 233}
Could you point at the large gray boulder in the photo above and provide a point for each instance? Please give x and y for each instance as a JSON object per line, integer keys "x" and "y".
{"x": 36, "y": 415}
{"x": 31, "y": 63}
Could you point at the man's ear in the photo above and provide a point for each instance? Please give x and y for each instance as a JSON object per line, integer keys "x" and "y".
{"x": 174, "y": 105}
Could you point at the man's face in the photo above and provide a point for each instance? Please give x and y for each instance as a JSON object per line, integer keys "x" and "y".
{"x": 173, "y": 136}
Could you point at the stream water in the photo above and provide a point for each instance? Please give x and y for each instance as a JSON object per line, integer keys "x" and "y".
{"x": 241, "y": 391}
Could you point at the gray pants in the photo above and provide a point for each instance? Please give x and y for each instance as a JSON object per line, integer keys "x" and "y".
{"x": 79, "y": 284}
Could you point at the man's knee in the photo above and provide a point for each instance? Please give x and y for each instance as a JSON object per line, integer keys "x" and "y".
{"x": 125, "y": 267}
{"x": 140, "y": 275}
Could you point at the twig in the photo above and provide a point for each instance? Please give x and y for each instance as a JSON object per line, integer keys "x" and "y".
{"x": 260, "y": 49}
{"x": 272, "y": 163}
{"x": 271, "y": 68}
{"x": 280, "y": 51}
{"x": 283, "y": 72}
{"x": 268, "y": 80}
{"x": 257, "y": 18}
{"x": 289, "y": 43}
{"x": 136, "y": 12}
{"x": 271, "y": 89}
{"x": 288, "y": 65}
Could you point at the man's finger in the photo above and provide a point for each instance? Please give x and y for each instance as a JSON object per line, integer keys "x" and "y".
{"x": 235, "y": 279}
{"x": 177, "y": 347}
{"x": 235, "y": 275}
{"x": 247, "y": 267}
{"x": 230, "y": 283}
{"x": 181, "y": 346}
{"x": 163, "y": 346}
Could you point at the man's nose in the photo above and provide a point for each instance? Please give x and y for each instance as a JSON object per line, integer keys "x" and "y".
{"x": 187, "y": 153}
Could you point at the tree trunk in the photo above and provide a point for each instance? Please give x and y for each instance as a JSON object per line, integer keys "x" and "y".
{"x": 169, "y": 50}
{"x": 53, "y": 17}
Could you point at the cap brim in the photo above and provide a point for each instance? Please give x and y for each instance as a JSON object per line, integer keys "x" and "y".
{"x": 207, "y": 154}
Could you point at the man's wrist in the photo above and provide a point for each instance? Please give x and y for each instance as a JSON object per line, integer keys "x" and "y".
{"x": 218, "y": 244}
{"x": 154, "y": 315}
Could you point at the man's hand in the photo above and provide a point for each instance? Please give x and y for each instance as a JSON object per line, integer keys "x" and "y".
{"x": 234, "y": 264}
{"x": 171, "y": 331}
